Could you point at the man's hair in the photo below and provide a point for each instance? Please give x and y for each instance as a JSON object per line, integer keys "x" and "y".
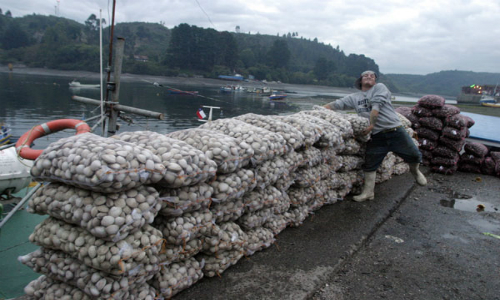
{"x": 357, "y": 83}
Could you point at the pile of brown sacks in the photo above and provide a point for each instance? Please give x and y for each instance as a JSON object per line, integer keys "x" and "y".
{"x": 144, "y": 215}
{"x": 441, "y": 131}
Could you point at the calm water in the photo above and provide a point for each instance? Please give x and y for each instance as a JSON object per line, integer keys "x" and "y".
{"x": 29, "y": 100}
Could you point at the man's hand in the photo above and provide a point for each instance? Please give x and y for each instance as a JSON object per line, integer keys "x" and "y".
{"x": 327, "y": 106}
{"x": 368, "y": 130}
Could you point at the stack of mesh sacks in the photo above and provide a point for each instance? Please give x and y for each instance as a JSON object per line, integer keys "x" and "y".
{"x": 441, "y": 131}
{"x": 215, "y": 193}
{"x": 477, "y": 158}
{"x": 97, "y": 241}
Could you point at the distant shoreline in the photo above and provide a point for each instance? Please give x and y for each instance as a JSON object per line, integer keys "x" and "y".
{"x": 84, "y": 76}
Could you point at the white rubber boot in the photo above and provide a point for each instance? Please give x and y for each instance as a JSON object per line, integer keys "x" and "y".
{"x": 419, "y": 177}
{"x": 368, "y": 187}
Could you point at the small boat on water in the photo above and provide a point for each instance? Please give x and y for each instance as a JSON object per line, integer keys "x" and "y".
{"x": 77, "y": 84}
{"x": 488, "y": 101}
{"x": 179, "y": 92}
{"x": 226, "y": 89}
{"x": 276, "y": 97}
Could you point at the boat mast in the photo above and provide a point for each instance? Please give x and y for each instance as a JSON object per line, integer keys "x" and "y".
{"x": 113, "y": 108}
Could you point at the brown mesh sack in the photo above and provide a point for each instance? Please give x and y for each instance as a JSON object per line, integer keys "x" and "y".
{"x": 431, "y": 101}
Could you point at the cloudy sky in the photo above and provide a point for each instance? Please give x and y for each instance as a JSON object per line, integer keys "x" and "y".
{"x": 409, "y": 37}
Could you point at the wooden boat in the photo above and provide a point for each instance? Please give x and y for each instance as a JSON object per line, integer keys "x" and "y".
{"x": 179, "y": 92}
{"x": 76, "y": 84}
{"x": 489, "y": 101}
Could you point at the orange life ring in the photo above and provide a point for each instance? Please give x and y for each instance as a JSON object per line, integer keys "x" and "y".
{"x": 26, "y": 140}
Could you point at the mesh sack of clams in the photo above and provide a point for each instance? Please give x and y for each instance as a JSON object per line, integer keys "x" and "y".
{"x": 312, "y": 132}
{"x": 331, "y": 196}
{"x": 177, "y": 277}
{"x": 334, "y": 118}
{"x": 234, "y": 185}
{"x": 358, "y": 125}
{"x": 404, "y": 121}
{"x": 471, "y": 159}
{"x": 296, "y": 216}
{"x": 282, "y": 204}
{"x": 255, "y": 219}
{"x": 444, "y": 161}
{"x": 270, "y": 171}
{"x": 457, "y": 121}
{"x": 259, "y": 239}
{"x": 313, "y": 156}
{"x": 61, "y": 266}
{"x": 285, "y": 182}
{"x": 428, "y": 133}
{"x": 446, "y": 170}
{"x": 335, "y": 163}
{"x": 217, "y": 264}
{"x": 427, "y": 144}
{"x": 454, "y": 133}
{"x": 99, "y": 164}
{"x": 184, "y": 164}
{"x": 456, "y": 145}
{"x": 421, "y": 111}
{"x": 382, "y": 177}
{"x": 137, "y": 254}
{"x": 330, "y": 134}
{"x": 228, "y": 211}
{"x": 47, "y": 288}
{"x": 227, "y": 236}
{"x": 315, "y": 204}
{"x": 401, "y": 168}
{"x": 326, "y": 170}
{"x": 179, "y": 230}
{"x": 177, "y": 253}
{"x": 475, "y": 148}
{"x": 328, "y": 154}
{"x": 276, "y": 223}
{"x": 387, "y": 163}
{"x": 266, "y": 144}
{"x": 175, "y": 202}
{"x": 300, "y": 196}
{"x": 444, "y": 152}
{"x": 293, "y": 137}
{"x": 307, "y": 176}
{"x": 110, "y": 217}
{"x": 351, "y": 162}
{"x": 261, "y": 197}
{"x": 446, "y": 111}
{"x": 352, "y": 147}
{"x": 431, "y": 101}
{"x": 293, "y": 160}
{"x": 408, "y": 114}
{"x": 432, "y": 123}
{"x": 227, "y": 152}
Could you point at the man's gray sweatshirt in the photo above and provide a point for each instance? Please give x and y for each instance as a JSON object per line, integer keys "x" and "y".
{"x": 378, "y": 98}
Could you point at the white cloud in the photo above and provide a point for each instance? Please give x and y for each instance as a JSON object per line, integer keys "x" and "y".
{"x": 417, "y": 37}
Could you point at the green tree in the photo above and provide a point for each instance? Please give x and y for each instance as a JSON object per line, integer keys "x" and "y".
{"x": 14, "y": 37}
{"x": 279, "y": 54}
{"x": 323, "y": 68}
{"x": 248, "y": 57}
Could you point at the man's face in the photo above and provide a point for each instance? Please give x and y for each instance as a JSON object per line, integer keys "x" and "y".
{"x": 368, "y": 80}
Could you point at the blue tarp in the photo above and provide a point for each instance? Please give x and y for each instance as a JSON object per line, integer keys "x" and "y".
{"x": 486, "y": 128}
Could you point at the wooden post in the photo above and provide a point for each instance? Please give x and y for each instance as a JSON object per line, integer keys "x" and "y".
{"x": 115, "y": 86}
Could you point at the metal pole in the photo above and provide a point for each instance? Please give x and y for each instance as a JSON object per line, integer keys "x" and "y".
{"x": 129, "y": 109}
{"x": 115, "y": 96}
{"x": 20, "y": 204}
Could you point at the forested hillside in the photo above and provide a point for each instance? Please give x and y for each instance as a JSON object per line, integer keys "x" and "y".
{"x": 447, "y": 83}
{"x": 150, "y": 48}
{"x": 186, "y": 50}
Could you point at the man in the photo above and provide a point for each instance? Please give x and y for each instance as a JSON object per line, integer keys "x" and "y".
{"x": 387, "y": 132}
